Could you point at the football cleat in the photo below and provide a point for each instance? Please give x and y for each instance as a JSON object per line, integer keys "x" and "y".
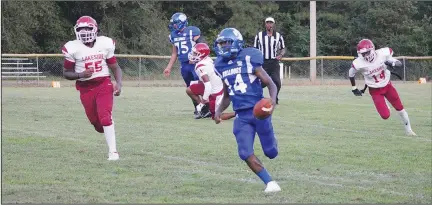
{"x": 410, "y": 133}
{"x": 206, "y": 115}
{"x": 197, "y": 115}
{"x": 272, "y": 187}
{"x": 112, "y": 156}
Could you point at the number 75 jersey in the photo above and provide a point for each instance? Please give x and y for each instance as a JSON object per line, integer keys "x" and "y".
{"x": 244, "y": 87}
{"x": 375, "y": 74}
{"x": 184, "y": 41}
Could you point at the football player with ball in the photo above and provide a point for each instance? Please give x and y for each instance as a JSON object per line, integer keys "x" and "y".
{"x": 242, "y": 73}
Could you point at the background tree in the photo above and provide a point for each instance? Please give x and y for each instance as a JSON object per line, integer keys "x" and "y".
{"x": 140, "y": 27}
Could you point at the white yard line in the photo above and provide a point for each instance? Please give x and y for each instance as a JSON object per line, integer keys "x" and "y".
{"x": 293, "y": 175}
{"x": 374, "y": 133}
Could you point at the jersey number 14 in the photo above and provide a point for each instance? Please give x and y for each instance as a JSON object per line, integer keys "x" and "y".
{"x": 239, "y": 85}
{"x": 381, "y": 76}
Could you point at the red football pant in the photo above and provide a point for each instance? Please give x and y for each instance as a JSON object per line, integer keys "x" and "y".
{"x": 392, "y": 96}
{"x": 198, "y": 89}
{"x": 97, "y": 99}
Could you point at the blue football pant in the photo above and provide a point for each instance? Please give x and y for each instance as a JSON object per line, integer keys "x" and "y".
{"x": 188, "y": 73}
{"x": 244, "y": 129}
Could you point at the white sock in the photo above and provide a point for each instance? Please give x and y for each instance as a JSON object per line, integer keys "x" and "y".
{"x": 110, "y": 137}
{"x": 405, "y": 119}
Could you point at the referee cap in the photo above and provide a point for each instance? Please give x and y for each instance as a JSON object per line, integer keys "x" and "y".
{"x": 270, "y": 19}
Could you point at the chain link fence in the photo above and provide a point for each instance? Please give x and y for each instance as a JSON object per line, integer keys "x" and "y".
{"x": 148, "y": 70}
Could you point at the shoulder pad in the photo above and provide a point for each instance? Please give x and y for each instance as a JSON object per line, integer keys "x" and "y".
{"x": 256, "y": 57}
{"x": 70, "y": 46}
{"x": 386, "y": 51}
{"x": 195, "y": 30}
{"x": 107, "y": 41}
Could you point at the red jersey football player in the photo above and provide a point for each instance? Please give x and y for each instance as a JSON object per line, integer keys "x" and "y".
{"x": 88, "y": 60}
{"x": 208, "y": 91}
{"x": 373, "y": 65}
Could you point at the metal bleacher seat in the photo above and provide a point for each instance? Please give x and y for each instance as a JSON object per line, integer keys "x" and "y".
{"x": 20, "y": 68}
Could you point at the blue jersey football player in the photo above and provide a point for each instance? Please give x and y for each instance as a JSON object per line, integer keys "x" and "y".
{"x": 183, "y": 38}
{"x": 242, "y": 73}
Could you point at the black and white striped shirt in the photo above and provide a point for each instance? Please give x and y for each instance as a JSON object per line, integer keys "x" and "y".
{"x": 268, "y": 45}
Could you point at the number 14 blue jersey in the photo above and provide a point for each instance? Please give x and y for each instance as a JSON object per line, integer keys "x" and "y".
{"x": 244, "y": 87}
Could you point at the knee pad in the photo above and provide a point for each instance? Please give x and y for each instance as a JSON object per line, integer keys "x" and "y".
{"x": 98, "y": 128}
{"x": 106, "y": 121}
{"x": 385, "y": 116}
{"x": 244, "y": 154}
{"x": 271, "y": 153}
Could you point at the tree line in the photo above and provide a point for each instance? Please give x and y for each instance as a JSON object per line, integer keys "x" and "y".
{"x": 140, "y": 27}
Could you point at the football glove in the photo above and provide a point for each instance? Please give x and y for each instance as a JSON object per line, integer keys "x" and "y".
{"x": 356, "y": 92}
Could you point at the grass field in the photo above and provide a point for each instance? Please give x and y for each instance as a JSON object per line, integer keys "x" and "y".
{"x": 333, "y": 148}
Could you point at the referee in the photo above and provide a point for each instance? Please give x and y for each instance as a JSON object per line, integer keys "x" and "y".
{"x": 272, "y": 46}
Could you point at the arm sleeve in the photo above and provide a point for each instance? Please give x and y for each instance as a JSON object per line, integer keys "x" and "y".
{"x": 170, "y": 39}
{"x": 389, "y": 55}
{"x": 201, "y": 70}
{"x": 256, "y": 43}
{"x": 352, "y": 71}
{"x": 254, "y": 59}
{"x": 281, "y": 42}
{"x": 111, "y": 59}
{"x": 195, "y": 31}
{"x": 69, "y": 61}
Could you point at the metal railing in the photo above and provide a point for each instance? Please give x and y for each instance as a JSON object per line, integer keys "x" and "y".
{"x": 143, "y": 70}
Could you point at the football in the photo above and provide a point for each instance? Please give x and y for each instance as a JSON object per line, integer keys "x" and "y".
{"x": 263, "y": 108}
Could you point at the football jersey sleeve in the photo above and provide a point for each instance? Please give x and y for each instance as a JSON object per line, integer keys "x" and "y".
{"x": 357, "y": 64}
{"x": 352, "y": 72}
{"x": 69, "y": 61}
{"x": 201, "y": 70}
{"x": 388, "y": 53}
{"x": 254, "y": 59}
{"x": 217, "y": 66}
{"x": 111, "y": 59}
{"x": 170, "y": 39}
{"x": 195, "y": 31}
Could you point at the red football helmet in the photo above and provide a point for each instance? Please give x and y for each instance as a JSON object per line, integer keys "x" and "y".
{"x": 366, "y": 49}
{"x": 199, "y": 52}
{"x": 86, "y": 29}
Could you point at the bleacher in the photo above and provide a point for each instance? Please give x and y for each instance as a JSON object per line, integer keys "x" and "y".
{"x": 20, "y": 69}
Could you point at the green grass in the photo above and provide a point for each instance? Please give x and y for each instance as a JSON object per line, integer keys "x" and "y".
{"x": 334, "y": 148}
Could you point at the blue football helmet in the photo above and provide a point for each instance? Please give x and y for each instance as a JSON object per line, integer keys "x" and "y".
{"x": 228, "y": 43}
{"x": 179, "y": 21}
{"x": 171, "y": 26}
